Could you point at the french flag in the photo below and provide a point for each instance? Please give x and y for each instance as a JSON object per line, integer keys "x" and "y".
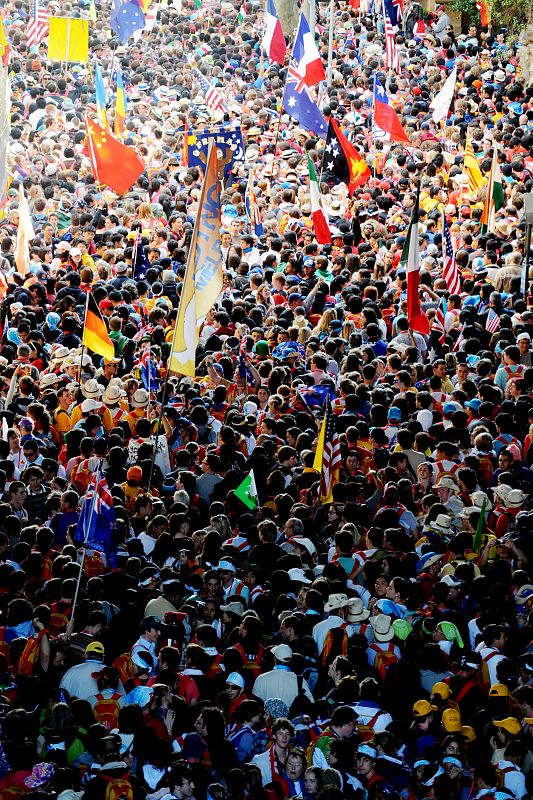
{"x": 305, "y": 53}
{"x": 385, "y": 117}
{"x": 274, "y": 41}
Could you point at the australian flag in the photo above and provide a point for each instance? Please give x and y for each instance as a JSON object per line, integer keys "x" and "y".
{"x": 126, "y": 18}
{"x": 96, "y": 525}
{"x": 229, "y": 143}
{"x": 140, "y": 262}
{"x": 298, "y": 101}
{"x": 317, "y": 396}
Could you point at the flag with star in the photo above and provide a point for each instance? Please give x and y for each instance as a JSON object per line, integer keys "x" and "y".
{"x": 113, "y": 163}
{"x": 303, "y": 73}
{"x": 126, "y": 17}
{"x": 342, "y": 161}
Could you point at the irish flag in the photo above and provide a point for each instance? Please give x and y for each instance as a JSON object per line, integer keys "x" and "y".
{"x": 322, "y": 232}
{"x": 418, "y": 320}
{"x": 495, "y": 197}
{"x": 247, "y": 491}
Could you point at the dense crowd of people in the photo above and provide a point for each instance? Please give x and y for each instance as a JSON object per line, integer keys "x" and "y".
{"x": 377, "y": 646}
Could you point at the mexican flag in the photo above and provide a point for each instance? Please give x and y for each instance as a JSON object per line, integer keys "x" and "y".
{"x": 247, "y": 491}
{"x": 418, "y": 320}
{"x": 322, "y": 232}
{"x": 241, "y": 15}
{"x": 495, "y": 198}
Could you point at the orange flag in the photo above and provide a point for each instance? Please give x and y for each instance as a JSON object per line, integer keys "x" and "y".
{"x": 113, "y": 163}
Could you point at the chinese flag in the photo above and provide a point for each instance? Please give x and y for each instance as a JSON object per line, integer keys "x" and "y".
{"x": 113, "y": 163}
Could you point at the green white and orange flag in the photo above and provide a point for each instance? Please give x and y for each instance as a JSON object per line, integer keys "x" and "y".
{"x": 320, "y": 222}
{"x": 495, "y": 198}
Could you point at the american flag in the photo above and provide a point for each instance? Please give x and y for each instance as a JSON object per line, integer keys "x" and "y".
{"x": 213, "y": 98}
{"x": 399, "y": 5}
{"x": 493, "y": 321}
{"x": 37, "y": 24}
{"x": 439, "y": 320}
{"x": 331, "y": 456}
{"x": 450, "y": 271}
{"x": 392, "y": 57}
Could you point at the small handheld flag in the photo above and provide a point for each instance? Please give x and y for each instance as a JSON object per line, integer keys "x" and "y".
{"x": 246, "y": 491}
{"x": 95, "y": 335}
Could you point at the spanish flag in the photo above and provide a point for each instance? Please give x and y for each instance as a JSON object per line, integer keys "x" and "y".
{"x": 120, "y": 106}
{"x": 95, "y": 335}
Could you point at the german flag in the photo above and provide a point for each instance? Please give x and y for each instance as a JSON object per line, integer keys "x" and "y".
{"x": 95, "y": 335}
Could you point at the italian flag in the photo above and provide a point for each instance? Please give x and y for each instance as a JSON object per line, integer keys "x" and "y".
{"x": 322, "y": 232}
{"x": 241, "y": 15}
{"x": 246, "y": 491}
{"x": 418, "y": 320}
{"x": 495, "y": 197}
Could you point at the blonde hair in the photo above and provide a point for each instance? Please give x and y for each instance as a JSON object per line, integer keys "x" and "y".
{"x": 327, "y": 317}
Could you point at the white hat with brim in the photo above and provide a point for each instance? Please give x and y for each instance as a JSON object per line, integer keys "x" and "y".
{"x": 90, "y": 405}
{"x": 382, "y": 626}
{"x": 92, "y": 389}
{"x": 336, "y": 601}
{"x": 356, "y": 611}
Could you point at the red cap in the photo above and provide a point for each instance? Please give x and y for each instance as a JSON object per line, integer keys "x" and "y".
{"x": 105, "y": 304}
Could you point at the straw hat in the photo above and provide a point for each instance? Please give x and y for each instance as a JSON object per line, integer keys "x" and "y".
{"x": 92, "y": 389}
{"x": 356, "y": 611}
{"x": 382, "y": 625}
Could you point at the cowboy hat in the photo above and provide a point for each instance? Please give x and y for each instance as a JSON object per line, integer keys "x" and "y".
{"x": 336, "y": 601}
{"x": 356, "y": 611}
{"x": 382, "y": 625}
{"x": 92, "y": 389}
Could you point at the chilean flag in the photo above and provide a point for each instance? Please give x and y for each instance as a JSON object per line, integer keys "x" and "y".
{"x": 305, "y": 53}
{"x": 274, "y": 41}
{"x": 385, "y": 117}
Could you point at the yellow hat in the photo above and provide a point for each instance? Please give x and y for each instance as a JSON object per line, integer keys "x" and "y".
{"x": 422, "y": 708}
{"x": 468, "y": 732}
{"x": 509, "y": 724}
{"x": 451, "y": 720}
{"x": 442, "y": 689}
{"x": 498, "y": 690}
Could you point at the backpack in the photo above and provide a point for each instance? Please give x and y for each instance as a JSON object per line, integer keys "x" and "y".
{"x": 106, "y": 710}
{"x": 117, "y": 788}
{"x": 30, "y": 654}
{"x": 366, "y": 730}
{"x": 384, "y": 659}
{"x": 500, "y": 775}
{"x": 485, "y": 673}
{"x": 335, "y": 644}
{"x": 123, "y": 664}
{"x": 93, "y": 565}
{"x": 59, "y": 619}
{"x": 253, "y": 665}
{"x": 81, "y": 477}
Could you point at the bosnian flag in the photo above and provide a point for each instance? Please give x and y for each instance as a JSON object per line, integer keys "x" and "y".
{"x": 320, "y": 223}
{"x": 274, "y": 41}
{"x": 418, "y": 320}
{"x": 305, "y": 53}
{"x": 385, "y": 117}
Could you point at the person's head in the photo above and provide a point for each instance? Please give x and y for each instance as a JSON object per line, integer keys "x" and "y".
{"x": 282, "y": 731}
{"x": 180, "y": 781}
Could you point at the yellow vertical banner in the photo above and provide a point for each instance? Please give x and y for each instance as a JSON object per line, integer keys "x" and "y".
{"x": 68, "y": 39}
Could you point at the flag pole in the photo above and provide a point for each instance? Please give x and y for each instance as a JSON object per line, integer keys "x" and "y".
{"x": 85, "y": 540}
{"x": 330, "y": 45}
{"x": 83, "y": 346}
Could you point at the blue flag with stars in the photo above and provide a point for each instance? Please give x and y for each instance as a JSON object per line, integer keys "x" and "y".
{"x": 126, "y": 18}
{"x": 298, "y": 101}
{"x": 229, "y": 143}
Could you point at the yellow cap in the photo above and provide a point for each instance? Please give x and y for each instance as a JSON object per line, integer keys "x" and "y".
{"x": 509, "y": 724}
{"x": 498, "y": 690}
{"x": 451, "y": 720}
{"x": 422, "y": 708}
{"x": 442, "y": 689}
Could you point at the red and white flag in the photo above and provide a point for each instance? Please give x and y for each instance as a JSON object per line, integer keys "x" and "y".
{"x": 274, "y": 43}
{"x": 450, "y": 270}
{"x": 392, "y": 57}
{"x": 493, "y": 321}
{"x": 418, "y": 320}
{"x": 37, "y": 29}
